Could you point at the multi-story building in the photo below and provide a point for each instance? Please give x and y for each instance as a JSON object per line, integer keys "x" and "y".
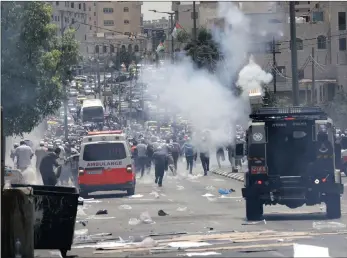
{"x": 151, "y": 27}
{"x": 72, "y": 14}
{"x": 320, "y": 31}
{"x": 114, "y": 23}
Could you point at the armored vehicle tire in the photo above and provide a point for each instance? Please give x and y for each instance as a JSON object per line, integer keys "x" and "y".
{"x": 254, "y": 209}
{"x": 333, "y": 204}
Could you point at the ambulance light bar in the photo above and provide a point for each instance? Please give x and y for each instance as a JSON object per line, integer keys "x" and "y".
{"x": 106, "y": 132}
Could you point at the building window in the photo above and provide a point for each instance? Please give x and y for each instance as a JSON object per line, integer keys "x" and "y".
{"x": 321, "y": 42}
{"x": 299, "y": 44}
{"x": 108, "y": 10}
{"x": 104, "y": 48}
{"x": 111, "y": 48}
{"x": 85, "y": 36}
{"x": 94, "y": 13}
{"x": 84, "y": 6}
{"x": 136, "y": 48}
{"x": 108, "y": 22}
{"x": 89, "y": 9}
{"x": 90, "y": 18}
{"x": 87, "y": 49}
{"x": 90, "y": 27}
{"x": 127, "y": 33}
{"x": 126, "y": 9}
{"x": 72, "y": 21}
{"x": 342, "y": 20}
{"x": 317, "y": 16}
{"x": 72, "y": 5}
{"x": 95, "y": 23}
{"x": 342, "y": 44}
{"x": 94, "y": 3}
{"x": 97, "y": 49}
{"x": 126, "y": 21}
{"x": 80, "y": 6}
{"x": 57, "y": 3}
{"x": 196, "y": 15}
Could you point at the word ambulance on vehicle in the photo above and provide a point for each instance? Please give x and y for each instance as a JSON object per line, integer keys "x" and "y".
{"x": 105, "y": 163}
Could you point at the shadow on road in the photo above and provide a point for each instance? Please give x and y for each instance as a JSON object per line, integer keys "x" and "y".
{"x": 290, "y": 216}
{"x": 107, "y": 195}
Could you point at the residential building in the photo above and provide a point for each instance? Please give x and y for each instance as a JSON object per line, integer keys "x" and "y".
{"x": 163, "y": 25}
{"x": 320, "y": 30}
{"x": 72, "y": 14}
{"x": 112, "y": 25}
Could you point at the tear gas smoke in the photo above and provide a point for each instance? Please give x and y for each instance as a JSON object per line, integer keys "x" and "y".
{"x": 203, "y": 98}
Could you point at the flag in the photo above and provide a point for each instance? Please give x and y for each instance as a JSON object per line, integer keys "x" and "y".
{"x": 176, "y": 30}
{"x": 160, "y": 47}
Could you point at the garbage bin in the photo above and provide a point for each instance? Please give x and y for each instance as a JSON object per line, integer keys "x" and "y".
{"x": 55, "y": 216}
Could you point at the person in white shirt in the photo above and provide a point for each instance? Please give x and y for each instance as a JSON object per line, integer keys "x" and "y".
{"x": 24, "y": 154}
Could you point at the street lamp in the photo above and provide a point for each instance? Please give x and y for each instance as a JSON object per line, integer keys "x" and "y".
{"x": 171, "y": 14}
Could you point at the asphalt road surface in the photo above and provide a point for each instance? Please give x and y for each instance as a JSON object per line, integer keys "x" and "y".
{"x": 200, "y": 222}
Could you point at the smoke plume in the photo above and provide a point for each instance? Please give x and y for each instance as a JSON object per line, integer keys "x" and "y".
{"x": 206, "y": 99}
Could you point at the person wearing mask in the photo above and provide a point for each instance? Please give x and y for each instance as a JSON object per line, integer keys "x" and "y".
{"x": 40, "y": 152}
{"x": 12, "y": 156}
{"x": 141, "y": 156}
{"x": 205, "y": 156}
{"x": 175, "y": 150}
{"x": 48, "y": 163}
{"x": 23, "y": 154}
{"x": 189, "y": 153}
{"x": 160, "y": 161}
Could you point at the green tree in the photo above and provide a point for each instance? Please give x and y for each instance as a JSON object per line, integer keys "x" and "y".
{"x": 34, "y": 62}
{"x": 204, "y": 51}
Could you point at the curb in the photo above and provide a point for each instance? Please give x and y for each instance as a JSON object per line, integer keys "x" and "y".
{"x": 236, "y": 176}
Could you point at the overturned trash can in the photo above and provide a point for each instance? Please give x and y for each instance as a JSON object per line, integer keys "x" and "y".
{"x": 55, "y": 216}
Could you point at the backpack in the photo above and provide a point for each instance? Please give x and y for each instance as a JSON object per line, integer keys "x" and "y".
{"x": 188, "y": 150}
{"x": 176, "y": 148}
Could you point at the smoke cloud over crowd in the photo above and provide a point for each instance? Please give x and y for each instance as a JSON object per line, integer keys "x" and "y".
{"x": 206, "y": 99}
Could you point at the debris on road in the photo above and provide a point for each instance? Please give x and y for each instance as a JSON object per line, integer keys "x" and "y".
{"x": 162, "y": 213}
{"x": 136, "y": 196}
{"x": 146, "y": 218}
{"x": 134, "y": 221}
{"x": 225, "y": 191}
{"x": 155, "y": 194}
{"x": 328, "y": 225}
{"x": 83, "y": 222}
{"x": 310, "y": 251}
{"x": 180, "y": 187}
{"x": 210, "y": 188}
{"x": 207, "y": 195}
{"x": 90, "y": 200}
{"x": 148, "y": 242}
{"x": 101, "y": 212}
{"x": 200, "y": 254}
{"x": 182, "y": 209}
{"x": 187, "y": 244}
{"x": 125, "y": 207}
{"x": 255, "y": 222}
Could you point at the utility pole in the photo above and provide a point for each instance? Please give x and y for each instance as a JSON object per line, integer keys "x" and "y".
{"x": 98, "y": 74}
{"x": 194, "y": 28}
{"x": 313, "y": 84}
{"x": 172, "y": 38}
{"x": 274, "y": 64}
{"x": 66, "y": 131}
{"x": 295, "y": 85}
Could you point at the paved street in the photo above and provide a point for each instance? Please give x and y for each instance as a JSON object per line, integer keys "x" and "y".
{"x": 199, "y": 221}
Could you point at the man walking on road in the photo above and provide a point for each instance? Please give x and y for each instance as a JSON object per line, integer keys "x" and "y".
{"x": 189, "y": 152}
{"x": 176, "y": 149}
{"x": 24, "y": 154}
{"x": 40, "y": 153}
{"x": 48, "y": 163}
{"x": 160, "y": 161}
{"x": 142, "y": 156}
{"x": 205, "y": 156}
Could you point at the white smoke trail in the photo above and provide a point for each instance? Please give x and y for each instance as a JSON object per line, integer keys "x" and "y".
{"x": 203, "y": 98}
